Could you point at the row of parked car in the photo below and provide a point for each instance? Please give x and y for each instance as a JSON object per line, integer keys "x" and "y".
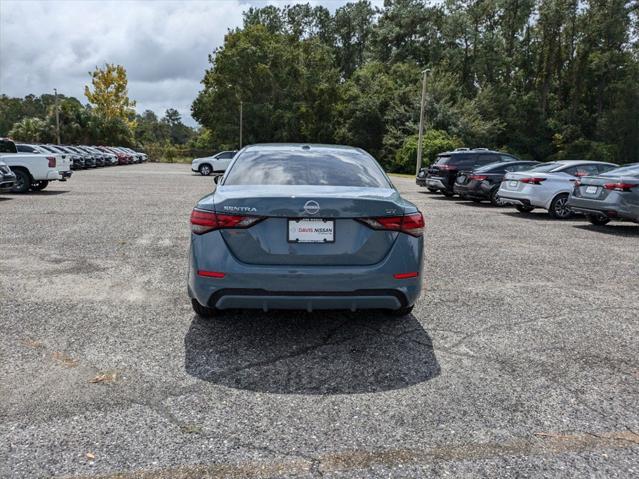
{"x": 83, "y": 156}
{"x": 31, "y": 167}
{"x": 600, "y": 191}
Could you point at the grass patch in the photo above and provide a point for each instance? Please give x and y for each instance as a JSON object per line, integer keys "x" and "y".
{"x": 177, "y": 159}
{"x": 403, "y": 175}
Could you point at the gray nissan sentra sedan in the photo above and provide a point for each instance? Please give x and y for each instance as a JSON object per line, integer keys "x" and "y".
{"x": 613, "y": 195}
{"x": 306, "y": 227}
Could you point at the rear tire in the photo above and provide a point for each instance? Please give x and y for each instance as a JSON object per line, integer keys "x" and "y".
{"x": 432, "y": 190}
{"x": 204, "y": 311}
{"x": 23, "y": 181}
{"x": 494, "y": 197}
{"x": 205, "y": 170}
{"x": 558, "y": 209}
{"x": 598, "y": 220}
{"x": 524, "y": 209}
{"x": 448, "y": 194}
{"x": 401, "y": 312}
{"x": 39, "y": 185}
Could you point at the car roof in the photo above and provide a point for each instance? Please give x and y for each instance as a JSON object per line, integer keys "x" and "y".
{"x": 465, "y": 151}
{"x": 580, "y": 162}
{"x": 299, "y": 146}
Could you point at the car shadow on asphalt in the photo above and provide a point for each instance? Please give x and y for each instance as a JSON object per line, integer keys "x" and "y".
{"x": 45, "y": 193}
{"x": 541, "y": 216}
{"x": 615, "y": 229}
{"x": 310, "y": 353}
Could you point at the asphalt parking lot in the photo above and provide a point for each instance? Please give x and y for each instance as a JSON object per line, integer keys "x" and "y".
{"x": 521, "y": 358}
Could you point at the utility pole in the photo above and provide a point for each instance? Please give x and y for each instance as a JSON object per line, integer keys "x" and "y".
{"x": 241, "y": 104}
{"x": 421, "y": 121}
{"x": 57, "y": 116}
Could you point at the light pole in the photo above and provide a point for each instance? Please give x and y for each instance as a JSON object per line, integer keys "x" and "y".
{"x": 57, "y": 116}
{"x": 241, "y": 104}
{"x": 421, "y": 121}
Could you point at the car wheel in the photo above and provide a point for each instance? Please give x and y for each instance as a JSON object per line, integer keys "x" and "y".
{"x": 401, "y": 312}
{"x": 448, "y": 194}
{"x": 432, "y": 190}
{"x": 206, "y": 170}
{"x": 598, "y": 220}
{"x": 204, "y": 311}
{"x": 495, "y": 200}
{"x": 39, "y": 185}
{"x": 524, "y": 208}
{"x": 559, "y": 207}
{"x": 23, "y": 182}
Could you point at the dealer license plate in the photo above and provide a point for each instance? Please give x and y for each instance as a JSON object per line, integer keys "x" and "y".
{"x": 592, "y": 190}
{"x": 307, "y": 230}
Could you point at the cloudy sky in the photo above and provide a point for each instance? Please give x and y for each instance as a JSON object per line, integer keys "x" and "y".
{"x": 164, "y": 45}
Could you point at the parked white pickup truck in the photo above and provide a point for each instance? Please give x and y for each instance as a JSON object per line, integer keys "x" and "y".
{"x": 33, "y": 171}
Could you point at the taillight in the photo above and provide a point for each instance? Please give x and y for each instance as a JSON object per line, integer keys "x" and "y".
{"x": 619, "y": 186}
{"x": 204, "y": 221}
{"x": 412, "y": 224}
{"x": 51, "y": 161}
{"x": 533, "y": 181}
{"x": 477, "y": 177}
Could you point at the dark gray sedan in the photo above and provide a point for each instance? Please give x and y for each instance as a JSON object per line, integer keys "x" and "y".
{"x": 614, "y": 195}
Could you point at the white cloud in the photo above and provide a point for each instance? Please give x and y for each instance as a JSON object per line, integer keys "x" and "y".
{"x": 164, "y": 45}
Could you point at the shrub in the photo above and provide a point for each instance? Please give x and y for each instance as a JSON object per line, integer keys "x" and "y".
{"x": 434, "y": 142}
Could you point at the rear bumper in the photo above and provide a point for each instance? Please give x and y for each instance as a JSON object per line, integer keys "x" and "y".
{"x": 475, "y": 190}
{"x": 526, "y": 197}
{"x": 610, "y": 208}
{"x": 248, "y": 286}
{"x": 307, "y": 300}
{"x": 435, "y": 183}
{"x": 6, "y": 184}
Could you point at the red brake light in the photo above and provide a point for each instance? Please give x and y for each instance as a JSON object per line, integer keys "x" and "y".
{"x": 51, "y": 161}
{"x": 533, "y": 181}
{"x": 619, "y": 186}
{"x": 205, "y": 221}
{"x": 477, "y": 177}
{"x": 414, "y": 274}
{"x": 210, "y": 274}
{"x": 412, "y": 224}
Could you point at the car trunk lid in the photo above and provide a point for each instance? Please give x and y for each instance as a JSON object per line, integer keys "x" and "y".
{"x": 269, "y": 242}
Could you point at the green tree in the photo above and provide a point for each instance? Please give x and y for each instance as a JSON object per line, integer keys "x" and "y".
{"x": 28, "y": 130}
{"x": 288, "y": 89}
{"x": 109, "y": 94}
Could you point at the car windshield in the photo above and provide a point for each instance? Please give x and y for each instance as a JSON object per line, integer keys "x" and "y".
{"x": 632, "y": 170}
{"x": 320, "y": 168}
{"x": 547, "y": 167}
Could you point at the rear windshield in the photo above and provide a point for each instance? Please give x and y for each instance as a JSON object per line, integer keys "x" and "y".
{"x": 547, "y": 167}
{"x": 442, "y": 160}
{"x": 493, "y": 166}
{"x": 318, "y": 168}
{"x": 632, "y": 170}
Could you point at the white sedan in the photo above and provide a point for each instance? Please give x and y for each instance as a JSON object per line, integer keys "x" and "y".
{"x": 213, "y": 164}
{"x": 548, "y": 185}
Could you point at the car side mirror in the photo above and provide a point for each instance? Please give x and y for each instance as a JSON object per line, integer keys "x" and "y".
{"x": 217, "y": 178}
